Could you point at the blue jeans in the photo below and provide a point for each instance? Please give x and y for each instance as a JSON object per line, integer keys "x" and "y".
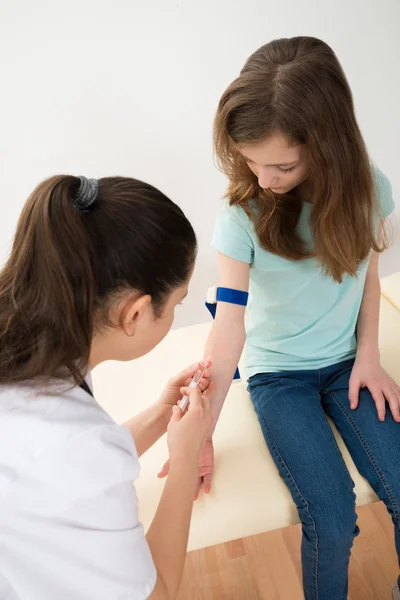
{"x": 292, "y": 408}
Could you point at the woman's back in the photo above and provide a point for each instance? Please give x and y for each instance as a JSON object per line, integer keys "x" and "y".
{"x": 67, "y": 499}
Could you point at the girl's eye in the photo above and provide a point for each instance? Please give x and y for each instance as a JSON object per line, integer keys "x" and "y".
{"x": 287, "y": 170}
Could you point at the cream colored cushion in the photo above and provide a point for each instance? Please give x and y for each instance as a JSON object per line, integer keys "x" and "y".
{"x": 248, "y": 496}
{"x": 390, "y": 287}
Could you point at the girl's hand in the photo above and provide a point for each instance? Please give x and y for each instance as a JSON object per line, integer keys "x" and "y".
{"x": 173, "y": 393}
{"x": 382, "y": 387}
{"x": 206, "y": 469}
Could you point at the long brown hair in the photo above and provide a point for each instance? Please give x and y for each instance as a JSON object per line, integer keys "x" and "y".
{"x": 297, "y": 87}
{"x": 66, "y": 266}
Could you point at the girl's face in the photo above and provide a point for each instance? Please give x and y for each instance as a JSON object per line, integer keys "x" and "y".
{"x": 277, "y": 162}
{"x": 136, "y": 330}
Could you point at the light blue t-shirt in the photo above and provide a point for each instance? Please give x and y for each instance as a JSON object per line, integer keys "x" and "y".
{"x": 298, "y": 317}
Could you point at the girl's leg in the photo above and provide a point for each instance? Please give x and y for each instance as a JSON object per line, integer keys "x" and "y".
{"x": 373, "y": 445}
{"x": 307, "y": 456}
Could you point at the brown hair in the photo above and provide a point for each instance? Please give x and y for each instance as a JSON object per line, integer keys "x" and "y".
{"x": 66, "y": 266}
{"x": 297, "y": 87}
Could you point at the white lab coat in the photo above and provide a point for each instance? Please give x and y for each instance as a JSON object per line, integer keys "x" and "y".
{"x": 69, "y": 527}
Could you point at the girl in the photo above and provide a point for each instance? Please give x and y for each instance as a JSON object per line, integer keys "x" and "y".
{"x": 95, "y": 272}
{"x": 303, "y": 224}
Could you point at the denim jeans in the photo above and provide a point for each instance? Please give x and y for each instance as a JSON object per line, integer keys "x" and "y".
{"x": 292, "y": 408}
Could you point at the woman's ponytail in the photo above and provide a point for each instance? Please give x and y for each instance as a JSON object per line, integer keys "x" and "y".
{"x": 47, "y": 287}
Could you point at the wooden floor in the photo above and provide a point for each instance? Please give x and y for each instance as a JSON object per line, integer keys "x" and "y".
{"x": 267, "y": 566}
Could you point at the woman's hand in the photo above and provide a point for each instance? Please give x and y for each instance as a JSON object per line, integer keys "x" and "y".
{"x": 187, "y": 432}
{"x": 173, "y": 390}
{"x": 206, "y": 469}
{"x": 383, "y": 388}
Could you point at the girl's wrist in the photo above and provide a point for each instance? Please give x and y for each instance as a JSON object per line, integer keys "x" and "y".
{"x": 368, "y": 353}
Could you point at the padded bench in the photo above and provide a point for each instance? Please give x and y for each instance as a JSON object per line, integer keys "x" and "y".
{"x": 248, "y": 496}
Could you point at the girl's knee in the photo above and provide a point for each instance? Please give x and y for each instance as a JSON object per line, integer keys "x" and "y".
{"x": 333, "y": 525}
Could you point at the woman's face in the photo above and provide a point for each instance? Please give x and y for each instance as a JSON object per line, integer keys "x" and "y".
{"x": 277, "y": 162}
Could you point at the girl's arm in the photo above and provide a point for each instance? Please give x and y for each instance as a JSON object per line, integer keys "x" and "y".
{"x": 368, "y": 318}
{"x": 367, "y": 370}
{"x": 228, "y": 331}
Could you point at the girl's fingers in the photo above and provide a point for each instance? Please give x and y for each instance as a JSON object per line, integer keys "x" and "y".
{"x": 393, "y": 398}
{"x": 164, "y": 471}
{"x": 207, "y": 483}
{"x": 380, "y": 403}
{"x": 354, "y": 390}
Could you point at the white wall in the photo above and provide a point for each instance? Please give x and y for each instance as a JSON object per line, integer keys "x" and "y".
{"x": 130, "y": 87}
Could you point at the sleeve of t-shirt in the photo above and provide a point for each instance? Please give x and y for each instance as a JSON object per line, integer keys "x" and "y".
{"x": 383, "y": 190}
{"x": 75, "y": 525}
{"x": 231, "y": 234}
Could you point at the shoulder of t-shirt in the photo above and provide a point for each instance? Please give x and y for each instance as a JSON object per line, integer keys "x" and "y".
{"x": 237, "y": 213}
{"x": 234, "y": 234}
{"x": 383, "y": 191}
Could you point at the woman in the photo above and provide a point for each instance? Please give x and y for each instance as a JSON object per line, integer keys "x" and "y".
{"x": 304, "y": 225}
{"x": 95, "y": 273}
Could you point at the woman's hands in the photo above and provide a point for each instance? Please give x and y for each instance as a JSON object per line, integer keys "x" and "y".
{"x": 187, "y": 432}
{"x": 173, "y": 391}
{"x": 171, "y": 395}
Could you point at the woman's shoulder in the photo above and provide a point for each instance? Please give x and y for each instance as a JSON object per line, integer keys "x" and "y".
{"x": 54, "y": 427}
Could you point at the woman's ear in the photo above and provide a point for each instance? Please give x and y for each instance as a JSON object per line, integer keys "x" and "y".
{"x": 132, "y": 309}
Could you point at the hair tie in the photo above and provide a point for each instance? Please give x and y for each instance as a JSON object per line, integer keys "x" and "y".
{"x": 86, "y": 195}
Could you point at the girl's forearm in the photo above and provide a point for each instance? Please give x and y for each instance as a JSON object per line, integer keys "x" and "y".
{"x": 368, "y": 319}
